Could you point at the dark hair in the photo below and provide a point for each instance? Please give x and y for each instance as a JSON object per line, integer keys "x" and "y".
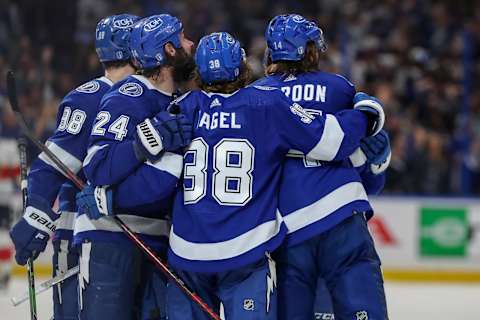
{"x": 183, "y": 66}
{"x": 244, "y": 78}
{"x": 117, "y": 64}
{"x": 309, "y": 63}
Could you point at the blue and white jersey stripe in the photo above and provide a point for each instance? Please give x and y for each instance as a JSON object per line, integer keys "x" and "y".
{"x": 317, "y": 195}
{"x": 143, "y": 191}
{"x": 75, "y": 116}
{"x": 227, "y": 214}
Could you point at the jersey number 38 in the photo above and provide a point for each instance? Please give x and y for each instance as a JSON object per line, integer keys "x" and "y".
{"x": 231, "y": 179}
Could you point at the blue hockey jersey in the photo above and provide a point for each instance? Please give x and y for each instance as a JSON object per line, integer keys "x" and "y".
{"x": 227, "y": 214}
{"x": 69, "y": 142}
{"x": 315, "y": 195}
{"x": 143, "y": 191}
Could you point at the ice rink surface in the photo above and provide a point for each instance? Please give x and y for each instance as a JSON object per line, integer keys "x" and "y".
{"x": 406, "y": 301}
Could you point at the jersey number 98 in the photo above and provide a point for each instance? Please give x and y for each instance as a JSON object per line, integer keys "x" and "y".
{"x": 231, "y": 181}
{"x": 72, "y": 121}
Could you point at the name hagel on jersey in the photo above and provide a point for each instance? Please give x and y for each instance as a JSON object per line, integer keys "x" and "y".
{"x": 143, "y": 190}
{"x": 69, "y": 143}
{"x": 315, "y": 195}
{"x": 226, "y": 215}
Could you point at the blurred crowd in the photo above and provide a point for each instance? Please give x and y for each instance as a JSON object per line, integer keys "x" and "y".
{"x": 420, "y": 57}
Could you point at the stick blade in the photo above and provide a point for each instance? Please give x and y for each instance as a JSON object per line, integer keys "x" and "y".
{"x": 12, "y": 91}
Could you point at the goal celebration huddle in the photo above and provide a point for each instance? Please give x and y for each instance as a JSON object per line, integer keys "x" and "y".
{"x": 255, "y": 193}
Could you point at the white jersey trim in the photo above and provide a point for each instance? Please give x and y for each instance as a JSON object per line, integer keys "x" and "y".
{"x": 66, "y": 221}
{"x": 358, "y": 158}
{"x": 91, "y": 152}
{"x": 71, "y": 161}
{"x": 330, "y": 203}
{"x": 106, "y": 80}
{"x": 138, "y": 224}
{"x": 225, "y": 249}
{"x": 225, "y": 95}
{"x": 330, "y": 142}
{"x": 169, "y": 162}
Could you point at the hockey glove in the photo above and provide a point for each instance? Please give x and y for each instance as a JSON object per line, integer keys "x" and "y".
{"x": 31, "y": 233}
{"x": 377, "y": 151}
{"x": 373, "y": 109}
{"x": 95, "y": 202}
{"x": 165, "y": 132}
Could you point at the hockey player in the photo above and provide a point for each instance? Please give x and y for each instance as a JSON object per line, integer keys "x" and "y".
{"x": 133, "y": 156}
{"x": 75, "y": 117}
{"x": 225, "y": 222}
{"x": 324, "y": 205}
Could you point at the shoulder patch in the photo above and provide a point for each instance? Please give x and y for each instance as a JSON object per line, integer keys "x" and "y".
{"x": 131, "y": 89}
{"x": 89, "y": 87}
{"x": 265, "y": 88}
{"x": 303, "y": 114}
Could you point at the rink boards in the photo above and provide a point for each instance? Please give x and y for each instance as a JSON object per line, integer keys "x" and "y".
{"x": 417, "y": 238}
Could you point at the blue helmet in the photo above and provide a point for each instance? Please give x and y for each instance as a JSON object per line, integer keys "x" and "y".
{"x": 111, "y": 37}
{"x": 149, "y": 37}
{"x": 218, "y": 58}
{"x": 287, "y": 37}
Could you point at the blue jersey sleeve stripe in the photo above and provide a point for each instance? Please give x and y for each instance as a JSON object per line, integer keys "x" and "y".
{"x": 225, "y": 249}
{"x": 324, "y": 206}
{"x": 91, "y": 152}
{"x": 169, "y": 162}
{"x": 358, "y": 158}
{"x": 330, "y": 142}
{"x": 138, "y": 224}
{"x": 71, "y": 161}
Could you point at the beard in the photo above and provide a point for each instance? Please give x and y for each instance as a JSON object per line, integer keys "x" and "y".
{"x": 183, "y": 65}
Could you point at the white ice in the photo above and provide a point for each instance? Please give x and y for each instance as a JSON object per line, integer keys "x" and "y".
{"x": 406, "y": 301}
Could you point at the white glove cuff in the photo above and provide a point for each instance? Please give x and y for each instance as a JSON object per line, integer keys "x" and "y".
{"x": 149, "y": 137}
{"x": 358, "y": 158}
{"x": 101, "y": 200}
{"x": 39, "y": 220}
{"x": 379, "y": 168}
{"x": 381, "y": 113}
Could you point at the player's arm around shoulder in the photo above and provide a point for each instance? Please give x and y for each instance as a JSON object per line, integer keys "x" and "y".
{"x": 157, "y": 177}
{"x": 327, "y": 137}
{"x": 111, "y": 154}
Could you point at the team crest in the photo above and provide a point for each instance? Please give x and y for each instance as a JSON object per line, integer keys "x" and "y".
{"x": 248, "y": 305}
{"x": 305, "y": 117}
{"x": 89, "y": 87}
{"x": 362, "y": 315}
{"x": 131, "y": 89}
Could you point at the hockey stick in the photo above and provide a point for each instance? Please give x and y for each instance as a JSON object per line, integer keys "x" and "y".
{"x": 12, "y": 96}
{"x": 22, "y": 151}
{"x": 44, "y": 286}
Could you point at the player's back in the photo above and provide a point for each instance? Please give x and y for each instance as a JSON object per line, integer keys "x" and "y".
{"x": 315, "y": 195}
{"x": 226, "y": 216}
{"x": 69, "y": 143}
